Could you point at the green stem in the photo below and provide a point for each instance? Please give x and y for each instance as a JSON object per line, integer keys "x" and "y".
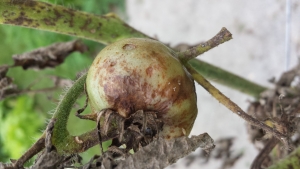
{"x": 226, "y": 78}
{"x": 61, "y": 138}
{"x": 54, "y": 18}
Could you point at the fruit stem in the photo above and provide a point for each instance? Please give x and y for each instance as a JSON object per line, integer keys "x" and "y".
{"x": 61, "y": 139}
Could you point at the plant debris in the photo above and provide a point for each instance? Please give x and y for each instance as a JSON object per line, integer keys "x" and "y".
{"x": 150, "y": 151}
{"x": 7, "y": 87}
{"x": 49, "y": 56}
{"x": 222, "y": 152}
{"x": 158, "y": 154}
{"x": 279, "y": 108}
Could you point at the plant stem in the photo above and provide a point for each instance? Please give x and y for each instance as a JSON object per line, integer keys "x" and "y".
{"x": 264, "y": 153}
{"x": 234, "y": 107}
{"x": 222, "y": 36}
{"x": 226, "y": 78}
{"x": 61, "y": 139}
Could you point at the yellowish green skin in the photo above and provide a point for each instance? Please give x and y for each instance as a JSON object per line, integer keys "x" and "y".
{"x": 142, "y": 74}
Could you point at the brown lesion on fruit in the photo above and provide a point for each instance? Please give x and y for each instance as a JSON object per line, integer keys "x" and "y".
{"x": 108, "y": 65}
{"x": 127, "y": 94}
{"x": 129, "y": 46}
{"x": 149, "y": 71}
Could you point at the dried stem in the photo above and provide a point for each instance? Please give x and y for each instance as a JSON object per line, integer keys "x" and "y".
{"x": 264, "y": 153}
{"x": 36, "y": 148}
{"x": 221, "y": 37}
{"x": 234, "y": 107}
{"x": 215, "y": 73}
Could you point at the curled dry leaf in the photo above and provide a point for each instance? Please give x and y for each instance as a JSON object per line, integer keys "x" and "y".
{"x": 223, "y": 152}
{"x": 158, "y": 154}
{"x": 162, "y": 153}
{"x": 6, "y": 83}
{"x": 49, "y": 56}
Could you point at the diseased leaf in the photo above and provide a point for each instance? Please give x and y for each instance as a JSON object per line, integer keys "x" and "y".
{"x": 49, "y": 56}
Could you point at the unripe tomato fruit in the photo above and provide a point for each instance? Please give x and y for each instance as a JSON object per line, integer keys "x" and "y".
{"x": 142, "y": 74}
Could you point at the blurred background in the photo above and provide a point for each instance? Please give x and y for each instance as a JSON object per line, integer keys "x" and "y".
{"x": 266, "y": 42}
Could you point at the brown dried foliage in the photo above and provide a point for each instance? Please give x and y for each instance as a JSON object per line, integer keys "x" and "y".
{"x": 279, "y": 108}
{"x": 7, "y": 87}
{"x": 49, "y": 56}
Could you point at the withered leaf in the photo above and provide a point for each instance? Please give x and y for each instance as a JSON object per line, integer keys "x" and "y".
{"x": 7, "y": 87}
{"x": 287, "y": 77}
{"x": 162, "y": 153}
{"x": 3, "y": 71}
{"x": 49, "y": 56}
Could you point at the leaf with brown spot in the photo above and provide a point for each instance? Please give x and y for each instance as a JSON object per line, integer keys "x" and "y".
{"x": 49, "y": 56}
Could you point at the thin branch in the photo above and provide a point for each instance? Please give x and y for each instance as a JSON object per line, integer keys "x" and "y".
{"x": 234, "y": 107}
{"x": 222, "y": 36}
{"x": 214, "y": 73}
{"x": 35, "y": 148}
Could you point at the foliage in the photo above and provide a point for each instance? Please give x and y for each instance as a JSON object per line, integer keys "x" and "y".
{"x": 14, "y": 132}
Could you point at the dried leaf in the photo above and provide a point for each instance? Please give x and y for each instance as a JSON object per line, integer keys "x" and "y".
{"x": 49, "y": 56}
{"x": 7, "y": 87}
{"x": 3, "y": 71}
{"x": 287, "y": 77}
{"x": 162, "y": 153}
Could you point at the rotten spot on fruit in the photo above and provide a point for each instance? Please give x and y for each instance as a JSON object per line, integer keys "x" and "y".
{"x": 129, "y": 47}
